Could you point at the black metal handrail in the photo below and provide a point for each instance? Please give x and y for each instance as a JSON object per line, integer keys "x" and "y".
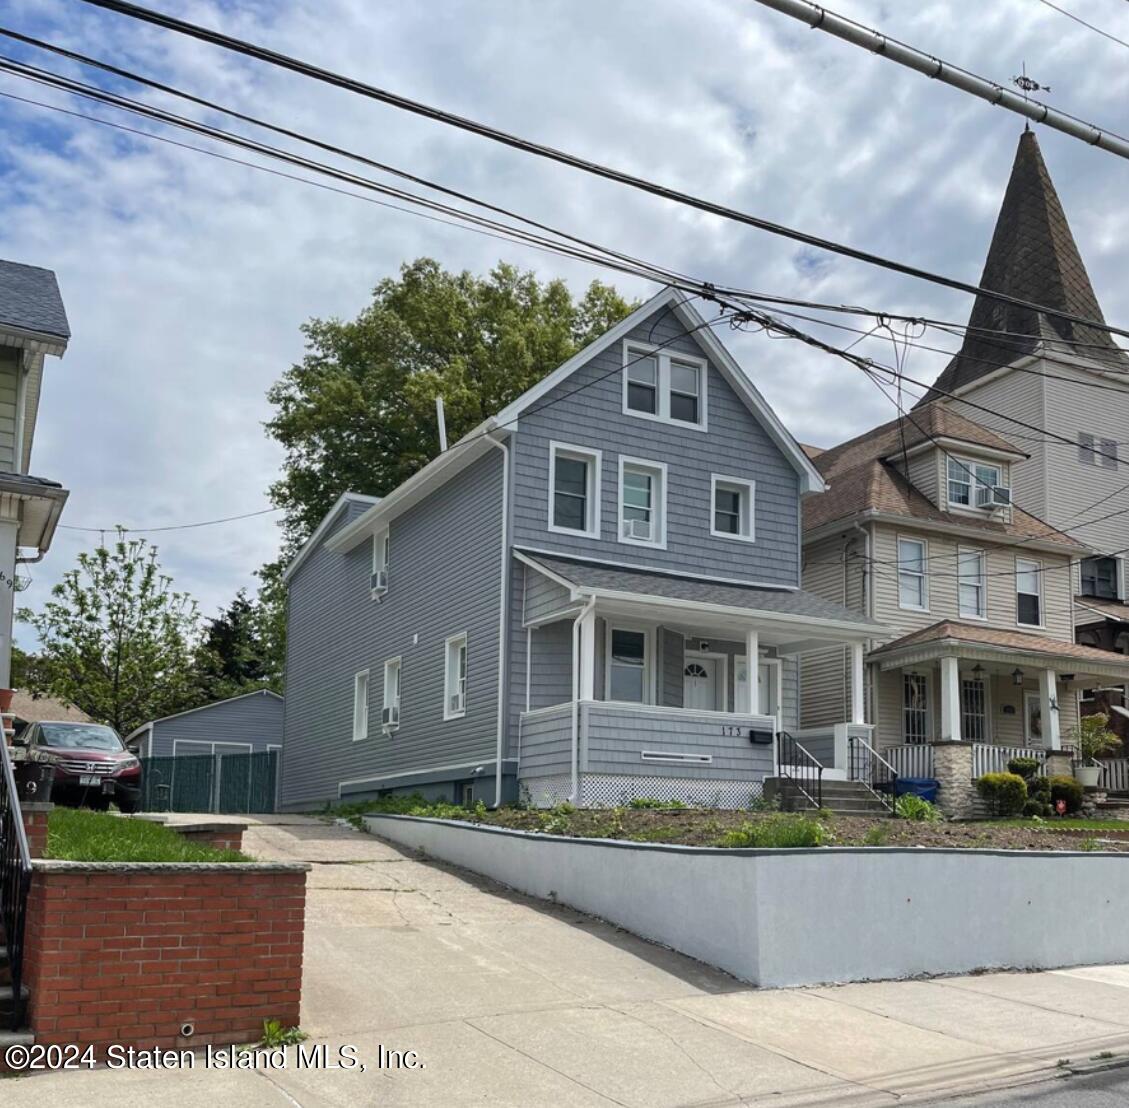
{"x": 15, "y": 880}
{"x": 801, "y": 767}
{"x": 866, "y": 765}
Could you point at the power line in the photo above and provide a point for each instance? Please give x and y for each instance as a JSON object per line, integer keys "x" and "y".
{"x": 541, "y": 150}
{"x": 1090, "y": 26}
{"x": 168, "y": 527}
{"x": 823, "y": 19}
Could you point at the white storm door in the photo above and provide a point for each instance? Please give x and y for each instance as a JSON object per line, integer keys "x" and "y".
{"x": 766, "y": 686}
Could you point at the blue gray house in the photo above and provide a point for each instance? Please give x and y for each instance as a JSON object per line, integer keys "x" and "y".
{"x": 247, "y": 724}
{"x": 592, "y": 596}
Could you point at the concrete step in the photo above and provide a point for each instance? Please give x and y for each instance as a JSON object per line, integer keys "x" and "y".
{"x": 842, "y": 797}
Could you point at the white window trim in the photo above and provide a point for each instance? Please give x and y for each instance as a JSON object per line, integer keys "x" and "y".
{"x": 381, "y": 556}
{"x": 1042, "y": 599}
{"x": 396, "y": 662}
{"x": 658, "y": 508}
{"x": 924, "y": 543}
{"x": 595, "y": 469}
{"x": 448, "y": 691}
{"x": 982, "y": 615}
{"x": 750, "y": 505}
{"x": 970, "y": 465}
{"x": 360, "y": 731}
{"x": 632, "y": 350}
{"x": 649, "y": 682}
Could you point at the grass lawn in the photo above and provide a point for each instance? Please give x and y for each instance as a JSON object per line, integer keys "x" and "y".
{"x": 646, "y": 823}
{"x": 79, "y": 835}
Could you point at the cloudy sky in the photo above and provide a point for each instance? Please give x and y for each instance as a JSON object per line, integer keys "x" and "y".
{"x": 186, "y": 279}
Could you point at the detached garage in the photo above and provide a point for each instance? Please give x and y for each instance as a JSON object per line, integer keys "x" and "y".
{"x": 247, "y": 724}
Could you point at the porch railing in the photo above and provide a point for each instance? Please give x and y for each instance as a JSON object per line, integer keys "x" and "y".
{"x": 15, "y": 880}
{"x": 1115, "y": 775}
{"x": 989, "y": 758}
{"x": 869, "y": 768}
{"x": 800, "y": 767}
{"x": 910, "y": 759}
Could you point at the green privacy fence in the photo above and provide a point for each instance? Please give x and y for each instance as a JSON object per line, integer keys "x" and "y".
{"x": 229, "y": 783}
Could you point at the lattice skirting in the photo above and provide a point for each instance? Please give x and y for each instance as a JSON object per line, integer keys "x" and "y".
{"x": 611, "y": 790}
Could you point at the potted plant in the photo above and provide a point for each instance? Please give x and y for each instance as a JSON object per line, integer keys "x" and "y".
{"x": 1091, "y": 739}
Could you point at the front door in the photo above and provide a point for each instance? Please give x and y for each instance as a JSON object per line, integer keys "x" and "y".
{"x": 767, "y": 673}
{"x": 702, "y": 683}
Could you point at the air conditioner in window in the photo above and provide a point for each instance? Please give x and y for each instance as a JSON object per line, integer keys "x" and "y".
{"x": 378, "y": 582}
{"x": 390, "y": 717}
{"x": 637, "y": 529}
{"x": 993, "y": 496}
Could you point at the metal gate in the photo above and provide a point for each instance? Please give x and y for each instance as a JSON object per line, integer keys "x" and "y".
{"x": 228, "y": 783}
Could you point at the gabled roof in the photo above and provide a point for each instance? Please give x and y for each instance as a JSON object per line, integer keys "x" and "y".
{"x": 30, "y": 301}
{"x": 1033, "y": 257}
{"x": 331, "y": 517}
{"x": 864, "y": 479}
{"x": 476, "y": 442}
{"x": 203, "y": 708}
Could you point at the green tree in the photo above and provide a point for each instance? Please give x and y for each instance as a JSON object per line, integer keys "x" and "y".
{"x": 358, "y": 412}
{"x": 232, "y": 656}
{"x": 115, "y": 639}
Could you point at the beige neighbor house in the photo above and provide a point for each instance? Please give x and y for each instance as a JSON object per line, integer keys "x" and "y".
{"x": 917, "y": 532}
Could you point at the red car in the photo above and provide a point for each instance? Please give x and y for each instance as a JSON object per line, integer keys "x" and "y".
{"x": 92, "y": 765}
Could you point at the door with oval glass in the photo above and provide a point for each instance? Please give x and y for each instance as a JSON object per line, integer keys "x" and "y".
{"x": 768, "y": 685}
{"x": 703, "y": 682}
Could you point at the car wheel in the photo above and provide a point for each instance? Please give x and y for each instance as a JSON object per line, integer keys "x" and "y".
{"x": 98, "y": 803}
{"x": 127, "y": 805}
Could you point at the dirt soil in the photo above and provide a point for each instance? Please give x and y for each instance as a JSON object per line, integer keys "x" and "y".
{"x": 705, "y": 827}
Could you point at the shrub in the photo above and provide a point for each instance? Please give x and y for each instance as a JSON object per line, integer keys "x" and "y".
{"x": 876, "y": 835}
{"x": 1025, "y": 768}
{"x": 1040, "y": 789}
{"x": 646, "y": 802}
{"x": 1034, "y": 808}
{"x": 1092, "y": 738}
{"x": 782, "y": 830}
{"x": 1068, "y": 789}
{"x": 1006, "y": 793}
{"x": 917, "y": 809}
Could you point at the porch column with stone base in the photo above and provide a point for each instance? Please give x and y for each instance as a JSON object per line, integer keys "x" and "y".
{"x": 952, "y": 767}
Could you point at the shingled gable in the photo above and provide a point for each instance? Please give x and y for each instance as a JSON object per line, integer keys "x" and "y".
{"x": 1033, "y": 257}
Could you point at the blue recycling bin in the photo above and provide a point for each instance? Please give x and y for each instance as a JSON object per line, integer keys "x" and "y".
{"x": 925, "y": 787}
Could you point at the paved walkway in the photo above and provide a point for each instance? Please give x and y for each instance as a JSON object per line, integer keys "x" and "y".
{"x": 511, "y": 1001}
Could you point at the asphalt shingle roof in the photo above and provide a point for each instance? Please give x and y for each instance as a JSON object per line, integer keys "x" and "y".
{"x": 770, "y": 601}
{"x": 30, "y": 300}
{"x": 1033, "y": 257}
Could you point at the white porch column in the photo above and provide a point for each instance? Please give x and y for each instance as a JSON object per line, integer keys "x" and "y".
{"x": 9, "y": 529}
{"x": 587, "y": 685}
{"x": 752, "y": 667}
{"x": 858, "y": 684}
{"x": 1048, "y": 707}
{"x": 950, "y": 700}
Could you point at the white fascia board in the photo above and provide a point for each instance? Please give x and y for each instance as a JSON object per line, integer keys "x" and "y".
{"x": 959, "y": 446}
{"x": 850, "y": 630}
{"x": 312, "y": 543}
{"x": 556, "y": 578}
{"x": 438, "y": 471}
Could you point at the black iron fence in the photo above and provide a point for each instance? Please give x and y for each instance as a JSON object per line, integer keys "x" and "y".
{"x": 866, "y": 765}
{"x": 801, "y": 768}
{"x": 15, "y": 882}
{"x": 229, "y": 783}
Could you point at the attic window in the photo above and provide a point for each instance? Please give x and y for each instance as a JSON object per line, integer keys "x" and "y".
{"x": 965, "y": 477}
{"x": 664, "y": 386}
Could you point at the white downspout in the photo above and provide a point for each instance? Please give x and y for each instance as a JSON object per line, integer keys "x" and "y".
{"x": 503, "y": 612}
{"x": 589, "y": 606}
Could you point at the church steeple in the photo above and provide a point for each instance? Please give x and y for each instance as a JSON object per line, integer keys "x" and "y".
{"x": 1033, "y": 257}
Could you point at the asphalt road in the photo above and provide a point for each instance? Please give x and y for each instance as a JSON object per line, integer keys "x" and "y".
{"x": 1109, "y": 1089}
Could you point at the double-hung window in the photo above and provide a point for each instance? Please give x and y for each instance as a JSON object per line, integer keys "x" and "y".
{"x": 642, "y": 502}
{"x": 913, "y": 588}
{"x": 454, "y": 684}
{"x": 628, "y": 665}
{"x": 390, "y": 717}
{"x": 1028, "y": 592}
{"x": 574, "y": 490}
{"x": 972, "y": 583}
{"x": 732, "y": 512}
{"x": 360, "y": 706}
{"x": 658, "y": 384}
{"x": 966, "y": 477}
{"x": 1100, "y": 578}
{"x": 380, "y": 553}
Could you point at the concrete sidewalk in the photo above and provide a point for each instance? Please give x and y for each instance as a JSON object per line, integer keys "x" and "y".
{"x": 516, "y": 1002}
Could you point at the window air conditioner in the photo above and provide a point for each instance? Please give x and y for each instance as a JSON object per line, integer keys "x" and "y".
{"x": 637, "y": 529}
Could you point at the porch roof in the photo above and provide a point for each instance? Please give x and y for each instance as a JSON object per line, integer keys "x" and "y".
{"x": 1089, "y": 609}
{"x": 611, "y": 582}
{"x": 949, "y": 637}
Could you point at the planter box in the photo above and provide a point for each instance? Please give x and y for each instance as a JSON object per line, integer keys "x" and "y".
{"x": 807, "y": 917}
{"x": 167, "y": 955}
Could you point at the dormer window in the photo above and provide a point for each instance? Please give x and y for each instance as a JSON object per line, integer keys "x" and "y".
{"x": 968, "y": 479}
{"x": 664, "y": 386}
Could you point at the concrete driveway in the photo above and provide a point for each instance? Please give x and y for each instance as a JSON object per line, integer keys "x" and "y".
{"x": 512, "y": 1001}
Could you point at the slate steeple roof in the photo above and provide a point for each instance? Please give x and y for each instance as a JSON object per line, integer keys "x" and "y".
{"x": 1033, "y": 257}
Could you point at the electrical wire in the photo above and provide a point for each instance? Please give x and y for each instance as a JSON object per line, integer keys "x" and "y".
{"x": 168, "y": 527}
{"x": 1090, "y": 26}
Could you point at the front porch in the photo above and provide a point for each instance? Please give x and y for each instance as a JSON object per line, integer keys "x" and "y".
{"x": 638, "y": 694}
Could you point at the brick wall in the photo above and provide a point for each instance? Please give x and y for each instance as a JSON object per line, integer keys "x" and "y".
{"x": 35, "y": 825}
{"x": 131, "y": 953}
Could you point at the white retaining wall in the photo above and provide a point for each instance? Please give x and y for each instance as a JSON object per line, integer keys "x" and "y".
{"x": 802, "y": 917}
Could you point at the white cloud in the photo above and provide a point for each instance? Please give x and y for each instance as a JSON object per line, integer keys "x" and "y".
{"x": 186, "y": 279}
